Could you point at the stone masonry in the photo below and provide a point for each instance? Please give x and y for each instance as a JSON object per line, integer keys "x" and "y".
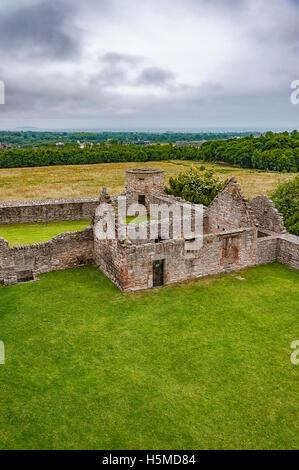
{"x": 236, "y": 235}
{"x": 51, "y": 210}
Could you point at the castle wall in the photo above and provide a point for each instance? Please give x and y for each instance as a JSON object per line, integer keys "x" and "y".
{"x": 288, "y": 250}
{"x": 283, "y": 248}
{"x": 266, "y": 249}
{"x": 218, "y": 254}
{"x": 230, "y": 240}
{"x": 145, "y": 180}
{"x": 51, "y": 210}
{"x": 267, "y": 215}
{"x": 229, "y": 210}
{"x": 110, "y": 258}
{"x": 64, "y": 251}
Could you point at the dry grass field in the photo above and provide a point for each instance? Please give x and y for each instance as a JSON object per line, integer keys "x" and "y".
{"x": 87, "y": 180}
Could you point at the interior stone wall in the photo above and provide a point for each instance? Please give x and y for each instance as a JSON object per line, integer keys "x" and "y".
{"x": 267, "y": 248}
{"x": 288, "y": 250}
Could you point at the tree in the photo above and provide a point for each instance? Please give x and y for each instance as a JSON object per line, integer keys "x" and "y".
{"x": 193, "y": 186}
{"x": 286, "y": 200}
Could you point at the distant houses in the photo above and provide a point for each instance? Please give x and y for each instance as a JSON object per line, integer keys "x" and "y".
{"x": 189, "y": 143}
{"x": 6, "y": 146}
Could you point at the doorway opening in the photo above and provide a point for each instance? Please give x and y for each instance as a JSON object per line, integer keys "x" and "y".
{"x": 141, "y": 199}
{"x": 158, "y": 273}
{"x": 25, "y": 276}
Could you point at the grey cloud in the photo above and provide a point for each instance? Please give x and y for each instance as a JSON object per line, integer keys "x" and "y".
{"x": 249, "y": 88}
{"x": 200, "y": 107}
{"x": 114, "y": 69}
{"x": 155, "y": 76}
{"x": 117, "y": 69}
{"x": 37, "y": 29}
{"x": 56, "y": 96}
{"x": 117, "y": 58}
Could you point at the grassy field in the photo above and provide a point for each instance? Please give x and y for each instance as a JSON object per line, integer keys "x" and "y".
{"x": 22, "y": 234}
{"x": 201, "y": 365}
{"x": 87, "y": 180}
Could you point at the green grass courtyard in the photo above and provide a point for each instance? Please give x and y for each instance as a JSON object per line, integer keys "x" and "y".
{"x": 199, "y": 365}
{"x": 22, "y": 234}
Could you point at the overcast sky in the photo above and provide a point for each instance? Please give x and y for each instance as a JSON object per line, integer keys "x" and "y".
{"x": 149, "y": 64}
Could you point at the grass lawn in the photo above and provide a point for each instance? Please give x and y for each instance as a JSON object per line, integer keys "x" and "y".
{"x": 87, "y": 180}
{"x": 22, "y": 234}
{"x": 200, "y": 365}
{"x": 132, "y": 219}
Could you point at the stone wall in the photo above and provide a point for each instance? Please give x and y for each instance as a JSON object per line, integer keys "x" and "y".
{"x": 64, "y": 251}
{"x": 143, "y": 182}
{"x": 229, "y": 210}
{"x": 219, "y": 253}
{"x": 266, "y": 249}
{"x": 230, "y": 240}
{"x": 283, "y": 248}
{"x": 109, "y": 256}
{"x": 288, "y": 250}
{"x": 267, "y": 215}
{"x": 51, "y": 210}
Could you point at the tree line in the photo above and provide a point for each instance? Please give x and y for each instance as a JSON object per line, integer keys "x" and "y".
{"x": 71, "y": 154}
{"x": 277, "y": 152}
{"x": 32, "y": 138}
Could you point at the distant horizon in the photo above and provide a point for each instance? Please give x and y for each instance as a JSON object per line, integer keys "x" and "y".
{"x": 150, "y": 130}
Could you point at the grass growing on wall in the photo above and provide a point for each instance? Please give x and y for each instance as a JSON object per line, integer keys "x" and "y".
{"x": 22, "y": 234}
{"x": 200, "y": 365}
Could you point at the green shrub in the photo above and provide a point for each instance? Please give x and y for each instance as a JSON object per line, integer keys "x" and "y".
{"x": 195, "y": 187}
{"x": 286, "y": 200}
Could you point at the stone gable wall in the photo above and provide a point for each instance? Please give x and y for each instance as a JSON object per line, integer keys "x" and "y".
{"x": 267, "y": 215}
{"x": 229, "y": 210}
